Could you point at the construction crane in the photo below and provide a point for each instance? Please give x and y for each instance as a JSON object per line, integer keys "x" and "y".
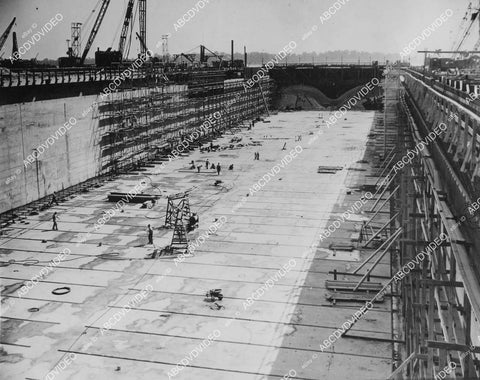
{"x": 143, "y": 26}
{"x": 144, "y": 48}
{"x": 204, "y": 57}
{"x": 5, "y": 34}
{"x": 126, "y": 23}
{"x": 14, "y": 45}
{"x": 448, "y": 51}
{"x": 189, "y": 57}
{"x": 472, "y": 14}
{"x": 96, "y": 27}
{"x": 477, "y": 44}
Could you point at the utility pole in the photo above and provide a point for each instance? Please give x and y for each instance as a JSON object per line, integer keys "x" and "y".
{"x": 385, "y": 118}
{"x": 36, "y": 166}
{"x": 165, "y": 47}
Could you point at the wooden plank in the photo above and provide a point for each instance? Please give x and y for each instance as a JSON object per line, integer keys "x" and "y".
{"x": 350, "y": 296}
{"x": 350, "y": 285}
{"x": 452, "y": 346}
{"x": 401, "y": 366}
{"x": 442, "y": 283}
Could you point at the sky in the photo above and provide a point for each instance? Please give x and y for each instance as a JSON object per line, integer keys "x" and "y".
{"x": 262, "y": 25}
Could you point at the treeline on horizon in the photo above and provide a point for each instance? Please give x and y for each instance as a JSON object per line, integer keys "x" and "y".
{"x": 256, "y": 58}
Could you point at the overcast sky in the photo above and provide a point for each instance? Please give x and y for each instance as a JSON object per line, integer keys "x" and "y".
{"x": 262, "y": 25}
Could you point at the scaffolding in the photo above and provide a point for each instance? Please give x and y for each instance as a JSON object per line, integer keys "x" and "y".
{"x": 136, "y": 124}
{"x": 439, "y": 308}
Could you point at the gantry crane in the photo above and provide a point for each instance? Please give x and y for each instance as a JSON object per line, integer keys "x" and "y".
{"x": 5, "y": 34}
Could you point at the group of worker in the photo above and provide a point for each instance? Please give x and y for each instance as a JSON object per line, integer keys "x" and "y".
{"x": 208, "y": 165}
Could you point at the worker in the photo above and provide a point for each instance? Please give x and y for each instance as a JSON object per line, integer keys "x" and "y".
{"x": 206, "y": 164}
{"x": 230, "y": 167}
{"x": 213, "y": 166}
{"x": 54, "y": 199}
{"x": 219, "y": 168}
{"x": 150, "y": 235}
{"x": 198, "y": 168}
{"x": 192, "y": 165}
{"x": 192, "y": 222}
{"x": 54, "y": 220}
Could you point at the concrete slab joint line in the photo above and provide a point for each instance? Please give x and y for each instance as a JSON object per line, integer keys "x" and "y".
{"x": 263, "y": 261}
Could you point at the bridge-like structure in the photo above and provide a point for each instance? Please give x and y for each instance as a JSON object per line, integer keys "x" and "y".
{"x": 333, "y": 79}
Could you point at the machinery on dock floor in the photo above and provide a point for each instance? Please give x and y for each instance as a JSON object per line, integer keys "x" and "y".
{"x": 178, "y": 201}
{"x": 213, "y": 295}
{"x": 176, "y": 217}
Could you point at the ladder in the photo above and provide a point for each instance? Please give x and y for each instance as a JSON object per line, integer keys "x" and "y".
{"x": 179, "y": 238}
{"x": 175, "y": 203}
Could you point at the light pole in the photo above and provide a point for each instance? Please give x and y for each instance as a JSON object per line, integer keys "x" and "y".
{"x": 36, "y": 166}
{"x": 23, "y": 152}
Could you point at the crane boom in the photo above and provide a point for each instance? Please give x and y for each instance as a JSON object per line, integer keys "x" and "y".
{"x": 477, "y": 44}
{"x": 204, "y": 58}
{"x": 5, "y": 34}
{"x": 15, "y": 44}
{"x": 142, "y": 44}
{"x": 189, "y": 57}
{"x": 95, "y": 28}
{"x": 126, "y": 23}
{"x": 143, "y": 25}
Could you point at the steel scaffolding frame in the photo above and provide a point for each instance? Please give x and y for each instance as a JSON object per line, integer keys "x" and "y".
{"x": 440, "y": 295}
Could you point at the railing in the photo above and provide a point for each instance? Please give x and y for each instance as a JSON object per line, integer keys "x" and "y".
{"x": 38, "y": 76}
{"x": 331, "y": 63}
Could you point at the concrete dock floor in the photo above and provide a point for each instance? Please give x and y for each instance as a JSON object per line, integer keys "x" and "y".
{"x": 278, "y": 226}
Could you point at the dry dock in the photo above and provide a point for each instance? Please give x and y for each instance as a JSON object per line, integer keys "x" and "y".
{"x": 167, "y": 319}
